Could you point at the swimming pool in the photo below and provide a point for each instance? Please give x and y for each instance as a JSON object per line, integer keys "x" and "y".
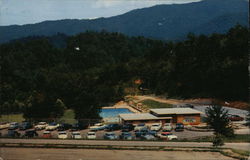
{"x": 113, "y": 112}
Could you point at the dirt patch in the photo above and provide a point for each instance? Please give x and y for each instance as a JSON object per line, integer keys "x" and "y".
{"x": 92, "y": 154}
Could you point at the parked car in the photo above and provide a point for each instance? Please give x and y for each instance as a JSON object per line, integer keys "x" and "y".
{"x": 41, "y": 125}
{"x": 25, "y": 125}
{"x": 52, "y": 126}
{"x": 148, "y": 137}
{"x": 97, "y": 127}
{"x": 79, "y": 126}
{"x": 128, "y": 127}
{"x": 113, "y": 127}
{"x": 4, "y": 125}
{"x": 140, "y": 126}
{"x": 234, "y": 117}
{"x": 167, "y": 127}
{"x": 64, "y": 127}
{"x": 179, "y": 127}
{"x": 167, "y": 136}
{"x": 76, "y": 135}
{"x": 30, "y": 134}
{"x": 126, "y": 136}
{"x": 13, "y": 125}
{"x": 186, "y": 105}
{"x": 139, "y": 133}
{"x": 13, "y": 134}
{"x": 47, "y": 134}
{"x": 155, "y": 127}
{"x": 91, "y": 135}
{"x": 62, "y": 135}
{"x": 110, "y": 136}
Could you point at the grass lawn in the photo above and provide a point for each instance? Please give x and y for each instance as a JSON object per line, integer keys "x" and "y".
{"x": 12, "y": 118}
{"x": 68, "y": 117}
{"x": 241, "y": 152}
{"x": 237, "y": 138}
{"x": 154, "y": 104}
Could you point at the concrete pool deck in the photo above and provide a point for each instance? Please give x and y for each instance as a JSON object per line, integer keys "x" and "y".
{"x": 122, "y": 104}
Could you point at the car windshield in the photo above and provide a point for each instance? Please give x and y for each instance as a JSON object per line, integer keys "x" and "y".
{"x": 41, "y": 123}
{"x": 155, "y": 125}
{"x": 62, "y": 133}
{"x": 110, "y": 134}
{"x": 52, "y": 124}
{"x": 91, "y": 134}
{"x": 141, "y": 124}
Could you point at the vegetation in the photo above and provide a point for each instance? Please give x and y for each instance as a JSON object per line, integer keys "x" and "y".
{"x": 217, "y": 118}
{"x": 154, "y": 104}
{"x": 94, "y": 69}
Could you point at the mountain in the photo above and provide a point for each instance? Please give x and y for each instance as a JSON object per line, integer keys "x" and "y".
{"x": 165, "y": 22}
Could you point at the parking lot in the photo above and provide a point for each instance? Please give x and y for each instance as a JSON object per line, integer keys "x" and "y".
{"x": 186, "y": 134}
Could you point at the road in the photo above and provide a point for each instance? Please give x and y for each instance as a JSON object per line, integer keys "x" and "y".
{"x": 241, "y": 146}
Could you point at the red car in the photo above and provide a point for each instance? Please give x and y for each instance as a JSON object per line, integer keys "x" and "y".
{"x": 235, "y": 118}
{"x": 47, "y": 134}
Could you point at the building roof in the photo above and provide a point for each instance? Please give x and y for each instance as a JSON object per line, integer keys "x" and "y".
{"x": 161, "y": 111}
{"x": 141, "y": 116}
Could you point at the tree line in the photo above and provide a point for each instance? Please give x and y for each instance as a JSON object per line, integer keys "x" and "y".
{"x": 94, "y": 69}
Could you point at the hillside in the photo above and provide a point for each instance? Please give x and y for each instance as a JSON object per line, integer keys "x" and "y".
{"x": 165, "y": 22}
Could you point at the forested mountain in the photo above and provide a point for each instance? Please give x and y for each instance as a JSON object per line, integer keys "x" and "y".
{"x": 164, "y": 22}
{"x": 95, "y": 69}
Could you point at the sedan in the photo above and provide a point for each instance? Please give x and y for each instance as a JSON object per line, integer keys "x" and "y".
{"x": 140, "y": 127}
{"x": 97, "y": 127}
{"x": 30, "y": 134}
{"x": 126, "y": 136}
{"x": 91, "y": 135}
{"x": 76, "y": 135}
{"x": 41, "y": 125}
{"x": 13, "y": 134}
{"x": 167, "y": 136}
{"x": 62, "y": 135}
{"x": 52, "y": 126}
{"x": 110, "y": 136}
{"x": 155, "y": 127}
{"x": 13, "y": 125}
{"x": 234, "y": 117}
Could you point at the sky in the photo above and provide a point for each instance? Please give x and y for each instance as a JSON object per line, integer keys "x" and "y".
{"x": 33, "y": 11}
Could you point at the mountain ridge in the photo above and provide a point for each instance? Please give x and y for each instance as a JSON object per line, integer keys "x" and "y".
{"x": 164, "y": 22}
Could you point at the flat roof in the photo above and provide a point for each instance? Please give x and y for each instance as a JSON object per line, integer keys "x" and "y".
{"x": 141, "y": 116}
{"x": 161, "y": 111}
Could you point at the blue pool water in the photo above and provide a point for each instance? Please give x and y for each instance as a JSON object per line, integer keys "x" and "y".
{"x": 113, "y": 112}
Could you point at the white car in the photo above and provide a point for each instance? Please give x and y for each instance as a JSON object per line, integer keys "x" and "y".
{"x": 91, "y": 135}
{"x": 52, "y": 126}
{"x": 97, "y": 127}
{"x": 4, "y": 125}
{"x": 155, "y": 127}
{"x": 139, "y": 127}
{"x": 62, "y": 135}
{"x": 167, "y": 127}
{"x": 41, "y": 125}
{"x": 76, "y": 135}
{"x": 167, "y": 136}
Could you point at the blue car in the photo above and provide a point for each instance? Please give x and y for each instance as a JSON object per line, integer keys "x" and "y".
{"x": 110, "y": 136}
{"x": 126, "y": 136}
{"x": 25, "y": 125}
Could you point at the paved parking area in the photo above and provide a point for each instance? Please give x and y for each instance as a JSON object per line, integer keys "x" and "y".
{"x": 186, "y": 134}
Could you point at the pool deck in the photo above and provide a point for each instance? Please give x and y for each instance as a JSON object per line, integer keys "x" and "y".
{"x": 122, "y": 105}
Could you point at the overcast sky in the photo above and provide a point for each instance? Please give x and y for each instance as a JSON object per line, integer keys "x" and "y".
{"x": 33, "y": 11}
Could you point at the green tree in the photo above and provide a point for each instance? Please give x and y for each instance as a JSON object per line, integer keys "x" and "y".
{"x": 217, "y": 118}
